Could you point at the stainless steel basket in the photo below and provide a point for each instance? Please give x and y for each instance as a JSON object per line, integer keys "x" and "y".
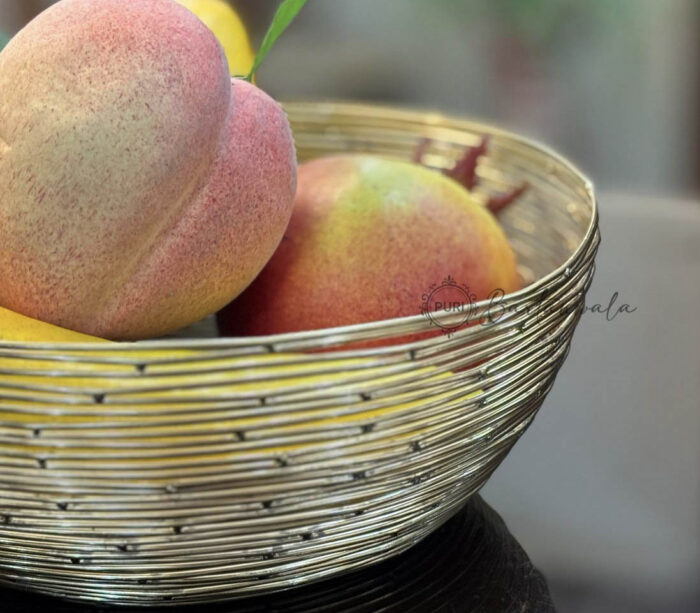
{"x": 188, "y": 471}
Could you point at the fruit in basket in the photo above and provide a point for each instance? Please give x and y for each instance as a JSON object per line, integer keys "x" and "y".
{"x": 15, "y": 327}
{"x": 228, "y": 28}
{"x": 162, "y": 375}
{"x": 367, "y": 238}
{"x": 141, "y": 191}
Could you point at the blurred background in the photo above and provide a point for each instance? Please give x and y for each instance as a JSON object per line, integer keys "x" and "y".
{"x": 604, "y": 489}
{"x": 613, "y": 83}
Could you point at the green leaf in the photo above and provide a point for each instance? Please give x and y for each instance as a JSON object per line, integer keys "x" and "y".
{"x": 285, "y": 14}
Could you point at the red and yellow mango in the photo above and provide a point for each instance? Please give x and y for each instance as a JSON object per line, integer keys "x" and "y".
{"x": 367, "y": 239}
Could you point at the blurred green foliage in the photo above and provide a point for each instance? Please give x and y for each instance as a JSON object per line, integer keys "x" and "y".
{"x": 539, "y": 21}
{"x": 3, "y": 40}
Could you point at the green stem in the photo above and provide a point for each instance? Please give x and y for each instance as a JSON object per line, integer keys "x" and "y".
{"x": 284, "y": 16}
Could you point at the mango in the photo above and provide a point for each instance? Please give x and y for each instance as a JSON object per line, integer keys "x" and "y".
{"x": 141, "y": 189}
{"x": 367, "y": 239}
{"x": 220, "y": 17}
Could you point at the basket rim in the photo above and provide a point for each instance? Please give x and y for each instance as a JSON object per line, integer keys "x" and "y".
{"x": 425, "y": 115}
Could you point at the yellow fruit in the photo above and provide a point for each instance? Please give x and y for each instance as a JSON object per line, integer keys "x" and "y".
{"x": 18, "y": 328}
{"x": 216, "y": 378}
{"x": 227, "y": 26}
{"x": 136, "y": 401}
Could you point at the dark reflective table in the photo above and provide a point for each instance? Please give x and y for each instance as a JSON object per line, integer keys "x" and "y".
{"x": 470, "y": 564}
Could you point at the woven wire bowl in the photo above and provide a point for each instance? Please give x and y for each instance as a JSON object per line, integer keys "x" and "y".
{"x": 198, "y": 470}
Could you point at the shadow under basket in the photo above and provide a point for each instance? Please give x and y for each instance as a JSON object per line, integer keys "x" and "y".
{"x": 199, "y": 470}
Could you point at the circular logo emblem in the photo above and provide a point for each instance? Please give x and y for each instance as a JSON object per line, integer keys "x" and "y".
{"x": 448, "y": 305}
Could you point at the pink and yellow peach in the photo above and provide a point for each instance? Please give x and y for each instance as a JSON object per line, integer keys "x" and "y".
{"x": 140, "y": 190}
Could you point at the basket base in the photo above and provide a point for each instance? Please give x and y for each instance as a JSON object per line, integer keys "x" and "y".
{"x": 471, "y": 563}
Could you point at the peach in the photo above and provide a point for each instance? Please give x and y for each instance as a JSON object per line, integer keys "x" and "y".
{"x": 141, "y": 190}
{"x": 367, "y": 238}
